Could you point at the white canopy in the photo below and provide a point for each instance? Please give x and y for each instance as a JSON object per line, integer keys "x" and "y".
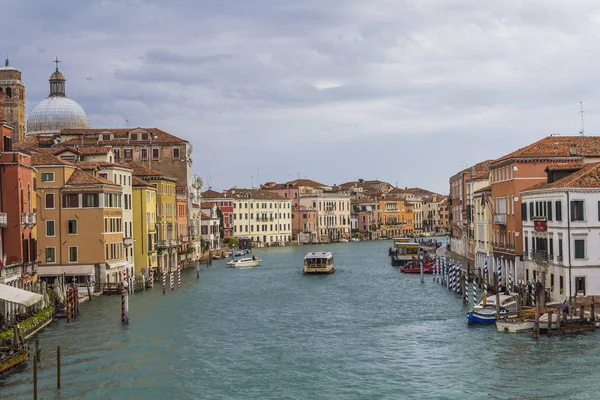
{"x": 68, "y": 270}
{"x": 19, "y": 296}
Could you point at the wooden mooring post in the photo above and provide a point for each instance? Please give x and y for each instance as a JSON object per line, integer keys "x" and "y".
{"x": 37, "y": 349}
{"x": 497, "y": 295}
{"x": 536, "y": 327}
{"x": 58, "y": 367}
{"x": 35, "y": 382}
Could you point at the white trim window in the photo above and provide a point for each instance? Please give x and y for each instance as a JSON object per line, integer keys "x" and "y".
{"x": 49, "y": 201}
{"x": 50, "y": 228}
{"x": 50, "y": 255}
{"x": 47, "y": 176}
{"x": 72, "y": 226}
{"x": 176, "y": 153}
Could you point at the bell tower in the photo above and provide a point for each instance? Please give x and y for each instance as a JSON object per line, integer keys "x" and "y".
{"x": 14, "y": 105}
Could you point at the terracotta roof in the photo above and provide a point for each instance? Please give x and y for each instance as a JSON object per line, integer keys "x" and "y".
{"x": 255, "y": 194}
{"x": 558, "y": 146}
{"x": 141, "y": 170}
{"x": 293, "y": 184}
{"x": 211, "y": 194}
{"x": 33, "y": 142}
{"x": 156, "y": 135}
{"x": 81, "y": 178}
{"x": 137, "y": 182}
{"x": 43, "y": 158}
{"x": 86, "y": 151}
{"x": 570, "y": 166}
{"x": 207, "y": 205}
{"x": 587, "y": 177}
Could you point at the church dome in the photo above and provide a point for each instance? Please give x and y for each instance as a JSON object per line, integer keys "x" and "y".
{"x": 57, "y": 111}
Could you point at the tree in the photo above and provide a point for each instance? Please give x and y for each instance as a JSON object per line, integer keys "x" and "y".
{"x": 222, "y": 224}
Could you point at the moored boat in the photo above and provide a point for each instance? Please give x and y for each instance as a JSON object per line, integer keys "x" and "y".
{"x": 244, "y": 262}
{"x": 320, "y": 262}
{"x": 485, "y": 312}
{"x": 514, "y": 325}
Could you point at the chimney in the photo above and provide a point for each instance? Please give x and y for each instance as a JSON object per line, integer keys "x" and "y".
{"x": 573, "y": 150}
{"x": 2, "y": 99}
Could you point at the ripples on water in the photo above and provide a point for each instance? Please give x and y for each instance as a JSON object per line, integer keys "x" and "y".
{"x": 365, "y": 332}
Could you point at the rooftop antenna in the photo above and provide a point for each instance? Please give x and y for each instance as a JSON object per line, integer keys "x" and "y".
{"x": 127, "y": 123}
{"x": 582, "y": 132}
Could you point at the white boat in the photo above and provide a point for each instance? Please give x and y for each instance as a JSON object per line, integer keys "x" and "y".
{"x": 355, "y": 240}
{"x": 319, "y": 262}
{"x": 342, "y": 240}
{"x": 244, "y": 262}
{"x": 486, "y": 313}
{"x": 514, "y": 325}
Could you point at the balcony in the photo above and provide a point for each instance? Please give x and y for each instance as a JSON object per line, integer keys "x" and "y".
{"x": 539, "y": 255}
{"x": 559, "y": 259}
{"x": 3, "y": 220}
{"x": 28, "y": 219}
{"x": 500, "y": 219}
{"x": 185, "y": 239}
{"x": 128, "y": 241}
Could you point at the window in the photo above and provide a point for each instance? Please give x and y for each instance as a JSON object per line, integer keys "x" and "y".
{"x": 48, "y": 177}
{"x": 523, "y": 211}
{"x": 50, "y": 231}
{"x": 549, "y": 216}
{"x": 72, "y": 226}
{"x": 558, "y": 205}
{"x": 117, "y": 153}
{"x": 134, "y": 136}
{"x": 155, "y": 153}
{"x": 577, "y": 210}
{"x": 50, "y": 254}
{"x": 91, "y": 200}
{"x": 73, "y": 254}
{"x": 579, "y": 249}
{"x": 144, "y": 154}
{"x": 144, "y": 136}
{"x": 560, "y": 248}
{"x": 580, "y": 285}
{"x": 531, "y": 213}
{"x": 128, "y": 154}
{"x": 49, "y": 200}
{"x": 176, "y": 153}
{"x": 106, "y": 137}
{"x": 70, "y": 201}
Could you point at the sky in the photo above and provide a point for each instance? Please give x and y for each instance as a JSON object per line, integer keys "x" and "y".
{"x": 409, "y": 92}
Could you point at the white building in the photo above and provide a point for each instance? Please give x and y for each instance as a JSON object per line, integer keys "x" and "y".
{"x": 561, "y": 232}
{"x": 261, "y": 215}
{"x": 333, "y": 214}
{"x": 210, "y": 228}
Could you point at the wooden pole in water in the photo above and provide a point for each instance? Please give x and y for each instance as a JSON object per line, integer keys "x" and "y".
{"x": 58, "y": 367}
{"x": 536, "y": 327}
{"x": 421, "y": 268}
{"x": 35, "y": 377}
{"x": 550, "y": 314}
{"x": 87, "y": 283}
{"x": 497, "y": 295}
{"x": 593, "y": 310}
{"x": 37, "y": 349}
{"x": 581, "y": 312}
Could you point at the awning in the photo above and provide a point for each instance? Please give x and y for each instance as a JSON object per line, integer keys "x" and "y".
{"x": 19, "y": 296}
{"x": 117, "y": 264}
{"x": 67, "y": 270}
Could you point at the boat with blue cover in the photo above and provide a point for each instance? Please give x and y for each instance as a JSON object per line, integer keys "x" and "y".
{"x": 485, "y": 311}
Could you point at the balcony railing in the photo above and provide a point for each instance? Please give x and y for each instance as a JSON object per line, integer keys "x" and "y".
{"x": 3, "y": 220}
{"x": 500, "y": 219}
{"x": 28, "y": 219}
{"x": 559, "y": 259}
{"x": 539, "y": 255}
{"x": 128, "y": 241}
{"x": 184, "y": 239}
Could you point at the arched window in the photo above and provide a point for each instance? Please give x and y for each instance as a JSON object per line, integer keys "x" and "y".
{"x": 8, "y": 92}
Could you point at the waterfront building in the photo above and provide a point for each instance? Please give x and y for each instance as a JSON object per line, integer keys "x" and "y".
{"x": 391, "y": 214}
{"x": 304, "y": 225}
{"x": 210, "y": 229}
{"x": 518, "y": 171}
{"x": 561, "y": 235}
{"x": 225, "y": 205}
{"x": 432, "y": 214}
{"x": 18, "y": 218}
{"x": 167, "y": 238}
{"x": 144, "y": 226}
{"x": 56, "y": 112}
{"x": 261, "y": 215}
{"x": 482, "y": 226}
{"x": 183, "y": 219}
{"x": 478, "y": 179}
{"x": 459, "y": 202}
{"x": 444, "y": 216}
{"x": 121, "y": 175}
{"x": 294, "y": 189}
{"x": 366, "y": 217}
{"x": 13, "y": 92}
{"x": 81, "y": 222}
{"x": 333, "y": 214}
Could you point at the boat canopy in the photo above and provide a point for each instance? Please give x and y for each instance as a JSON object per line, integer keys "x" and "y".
{"x": 18, "y": 296}
{"x": 319, "y": 254}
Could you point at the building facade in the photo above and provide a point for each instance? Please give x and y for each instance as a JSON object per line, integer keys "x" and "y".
{"x": 210, "y": 229}
{"x": 482, "y": 227}
{"x": 333, "y": 214}
{"x": 144, "y": 227}
{"x": 305, "y": 228}
{"x": 12, "y": 89}
{"x": 225, "y": 205}
{"x": 261, "y": 215}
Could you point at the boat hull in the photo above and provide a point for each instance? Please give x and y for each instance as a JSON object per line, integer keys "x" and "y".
{"x": 514, "y": 326}
{"x": 483, "y": 318}
{"x": 243, "y": 264}
{"x": 321, "y": 271}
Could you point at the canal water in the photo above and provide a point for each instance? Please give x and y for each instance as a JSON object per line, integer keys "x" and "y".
{"x": 365, "y": 332}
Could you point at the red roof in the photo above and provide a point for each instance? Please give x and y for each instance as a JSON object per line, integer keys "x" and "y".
{"x": 43, "y": 158}
{"x": 83, "y": 178}
{"x": 141, "y": 171}
{"x": 557, "y": 147}
{"x": 586, "y": 178}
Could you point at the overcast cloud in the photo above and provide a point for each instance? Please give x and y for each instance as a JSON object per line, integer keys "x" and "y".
{"x": 404, "y": 91}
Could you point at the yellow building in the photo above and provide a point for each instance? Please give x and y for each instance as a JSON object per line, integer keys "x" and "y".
{"x": 80, "y": 222}
{"x": 144, "y": 226}
{"x": 391, "y": 216}
{"x": 166, "y": 237}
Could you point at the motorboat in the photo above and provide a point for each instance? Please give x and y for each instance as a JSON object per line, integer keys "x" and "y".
{"x": 355, "y": 240}
{"x": 319, "y": 262}
{"x": 485, "y": 311}
{"x": 515, "y": 325}
{"x": 342, "y": 240}
{"x": 244, "y": 262}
